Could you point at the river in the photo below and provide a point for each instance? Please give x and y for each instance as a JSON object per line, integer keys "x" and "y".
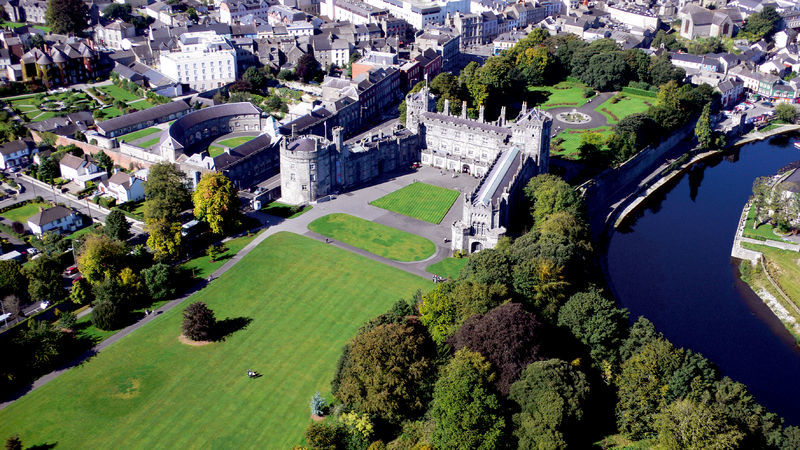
{"x": 672, "y": 265}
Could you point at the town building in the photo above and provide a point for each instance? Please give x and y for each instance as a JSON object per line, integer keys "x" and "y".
{"x": 61, "y": 64}
{"x": 138, "y": 120}
{"x": 232, "y": 11}
{"x": 701, "y": 22}
{"x": 204, "y": 60}
{"x": 123, "y": 187}
{"x": 15, "y": 153}
{"x": 58, "y": 219}
{"x": 80, "y": 170}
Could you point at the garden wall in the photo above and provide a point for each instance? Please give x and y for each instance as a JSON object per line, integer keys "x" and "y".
{"x": 123, "y": 160}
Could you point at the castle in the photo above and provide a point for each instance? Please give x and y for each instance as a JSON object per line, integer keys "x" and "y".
{"x": 504, "y": 154}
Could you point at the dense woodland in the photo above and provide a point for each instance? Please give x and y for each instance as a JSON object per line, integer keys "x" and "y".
{"x": 527, "y": 349}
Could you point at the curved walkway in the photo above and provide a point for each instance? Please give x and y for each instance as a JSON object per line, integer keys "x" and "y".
{"x": 598, "y": 119}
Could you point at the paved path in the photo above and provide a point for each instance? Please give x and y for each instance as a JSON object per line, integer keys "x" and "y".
{"x": 354, "y": 203}
{"x": 598, "y": 119}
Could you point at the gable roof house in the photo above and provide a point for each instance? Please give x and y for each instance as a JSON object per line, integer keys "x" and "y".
{"x": 15, "y": 153}
{"x": 123, "y": 187}
{"x": 57, "y": 218}
{"x": 701, "y": 22}
{"x": 79, "y": 170}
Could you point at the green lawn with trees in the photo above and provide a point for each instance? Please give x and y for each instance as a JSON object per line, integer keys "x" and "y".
{"x": 130, "y": 137}
{"x": 562, "y": 94}
{"x": 117, "y": 93}
{"x": 568, "y": 141}
{"x": 448, "y": 267}
{"x": 297, "y": 300}
{"x": 236, "y": 141}
{"x": 762, "y": 232}
{"x": 24, "y": 212}
{"x": 623, "y": 105}
{"x": 381, "y": 240}
{"x": 420, "y": 201}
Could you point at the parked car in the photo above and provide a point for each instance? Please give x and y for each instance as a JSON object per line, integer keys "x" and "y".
{"x": 71, "y": 270}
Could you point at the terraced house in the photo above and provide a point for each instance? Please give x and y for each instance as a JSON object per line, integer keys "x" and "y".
{"x": 61, "y": 64}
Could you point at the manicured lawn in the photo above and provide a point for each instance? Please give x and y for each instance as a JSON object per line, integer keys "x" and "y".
{"x": 420, "y": 201}
{"x": 303, "y": 300}
{"x": 110, "y": 113}
{"x": 784, "y": 267}
{"x": 149, "y": 143}
{"x": 572, "y": 139}
{"x": 448, "y": 267}
{"x": 130, "y": 137}
{"x": 565, "y": 93}
{"x": 630, "y": 104}
{"x": 84, "y": 230}
{"x": 117, "y": 93}
{"x": 214, "y": 151}
{"x": 285, "y": 211}
{"x": 237, "y": 141}
{"x": 24, "y": 212}
{"x": 763, "y": 232}
{"x": 5, "y": 24}
{"x": 141, "y": 104}
{"x": 373, "y": 237}
{"x": 202, "y": 266}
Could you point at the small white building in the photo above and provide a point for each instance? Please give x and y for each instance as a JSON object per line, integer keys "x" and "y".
{"x": 57, "y": 218}
{"x": 15, "y": 153}
{"x": 79, "y": 170}
{"x": 123, "y": 187}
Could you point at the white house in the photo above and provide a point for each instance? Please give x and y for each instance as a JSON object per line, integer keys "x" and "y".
{"x": 15, "y": 153}
{"x": 79, "y": 170}
{"x": 123, "y": 187}
{"x": 57, "y": 218}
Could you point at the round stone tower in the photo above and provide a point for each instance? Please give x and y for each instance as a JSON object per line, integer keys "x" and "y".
{"x": 306, "y": 169}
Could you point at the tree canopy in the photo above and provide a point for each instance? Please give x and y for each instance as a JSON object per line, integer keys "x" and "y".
{"x": 596, "y": 322}
{"x": 445, "y": 308}
{"x": 216, "y": 202}
{"x": 117, "y": 226}
{"x": 198, "y": 322}
{"x": 166, "y": 193}
{"x": 100, "y": 257}
{"x": 67, "y": 16}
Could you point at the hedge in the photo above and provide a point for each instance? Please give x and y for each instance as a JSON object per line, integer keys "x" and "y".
{"x": 642, "y": 92}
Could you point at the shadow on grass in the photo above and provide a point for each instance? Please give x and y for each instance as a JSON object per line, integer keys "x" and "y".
{"x": 228, "y": 326}
{"x": 44, "y": 446}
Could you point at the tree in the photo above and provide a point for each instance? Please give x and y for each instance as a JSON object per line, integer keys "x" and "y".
{"x": 541, "y": 283}
{"x": 67, "y": 16}
{"x": 14, "y": 443}
{"x": 786, "y": 113}
{"x": 214, "y": 251}
{"x": 118, "y": 11}
{"x": 44, "y": 279}
{"x": 166, "y": 193}
{"x": 192, "y": 14}
{"x": 256, "y": 78}
{"x": 307, "y": 67}
{"x": 67, "y": 320}
{"x": 11, "y": 305}
{"x": 489, "y": 266}
{"x": 388, "y": 372}
{"x": 641, "y": 333}
{"x": 551, "y": 396}
{"x": 49, "y": 170}
{"x": 12, "y": 279}
{"x": 198, "y": 322}
{"x": 216, "y": 201}
{"x": 158, "y": 279}
{"x": 467, "y": 411}
{"x": 101, "y": 256}
{"x": 164, "y": 238}
{"x": 550, "y": 194}
{"x": 761, "y": 24}
{"x": 117, "y": 226}
{"x": 444, "y": 309}
{"x": 81, "y": 292}
{"x": 605, "y": 71}
{"x": 507, "y": 336}
{"x": 596, "y": 322}
{"x": 107, "y": 315}
{"x": 703, "y": 131}
{"x": 105, "y": 161}
{"x": 36, "y": 41}
{"x": 590, "y": 149}
{"x": 325, "y": 436}
{"x": 317, "y": 404}
{"x": 688, "y": 424}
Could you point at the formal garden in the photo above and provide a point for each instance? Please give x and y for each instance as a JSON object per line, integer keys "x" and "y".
{"x": 623, "y": 104}
{"x": 375, "y": 238}
{"x": 38, "y": 107}
{"x": 289, "y": 307}
{"x": 420, "y": 201}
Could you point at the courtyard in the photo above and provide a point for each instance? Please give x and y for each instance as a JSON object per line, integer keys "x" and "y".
{"x": 420, "y": 201}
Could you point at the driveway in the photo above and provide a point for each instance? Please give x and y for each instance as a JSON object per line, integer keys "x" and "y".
{"x": 597, "y": 119}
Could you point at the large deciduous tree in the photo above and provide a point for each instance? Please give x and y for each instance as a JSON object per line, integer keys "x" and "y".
{"x": 703, "y": 130}
{"x": 198, "y": 322}
{"x": 445, "y": 308}
{"x": 12, "y": 280}
{"x": 550, "y": 194}
{"x": 388, "y": 372}
{"x": 507, "y": 336}
{"x": 551, "y": 396}
{"x": 466, "y": 409}
{"x": 216, "y": 202}
{"x": 117, "y": 226}
{"x": 67, "y": 16}
{"x": 158, "y": 279}
{"x": 597, "y": 322}
{"x": 688, "y": 424}
{"x": 100, "y": 257}
{"x": 44, "y": 279}
{"x": 164, "y": 238}
{"x": 786, "y": 112}
{"x": 166, "y": 192}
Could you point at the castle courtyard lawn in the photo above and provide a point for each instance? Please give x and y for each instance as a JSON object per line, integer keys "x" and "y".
{"x": 130, "y": 137}
{"x": 237, "y": 141}
{"x": 214, "y": 151}
{"x": 564, "y": 94}
{"x": 24, "y": 212}
{"x": 141, "y": 104}
{"x": 420, "y": 201}
{"x": 375, "y": 238}
{"x": 448, "y": 267}
{"x": 150, "y": 143}
{"x": 630, "y": 104}
{"x": 148, "y": 390}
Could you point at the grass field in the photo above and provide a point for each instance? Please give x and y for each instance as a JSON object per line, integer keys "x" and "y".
{"x": 784, "y": 267}
{"x": 448, "y": 267}
{"x": 202, "y": 266}
{"x": 149, "y": 143}
{"x": 285, "y": 211}
{"x": 22, "y": 213}
{"x": 29, "y": 106}
{"x": 303, "y": 299}
{"x": 572, "y": 139}
{"x": 630, "y": 104}
{"x": 110, "y": 112}
{"x": 214, "y": 151}
{"x": 141, "y": 104}
{"x": 420, "y": 201}
{"x": 763, "y": 232}
{"x": 117, "y": 93}
{"x": 237, "y": 141}
{"x": 565, "y": 93}
{"x": 130, "y": 137}
{"x": 84, "y": 230}
{"x": 373, "y": 237}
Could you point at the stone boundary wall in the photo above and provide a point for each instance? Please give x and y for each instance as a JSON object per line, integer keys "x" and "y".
{"x": 127, "y": 161}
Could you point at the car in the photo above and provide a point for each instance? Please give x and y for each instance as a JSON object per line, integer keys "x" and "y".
{"x": 76, "y": 279}
{"x": 71, "y": 270}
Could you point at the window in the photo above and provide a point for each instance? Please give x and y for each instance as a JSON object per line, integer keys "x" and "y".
{"x": 313, "y": 177}
{"x": 305, "y": 187}
{"x": 291, "y": 177}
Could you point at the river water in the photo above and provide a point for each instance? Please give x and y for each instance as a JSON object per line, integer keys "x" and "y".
{"x": 672, "y": 265}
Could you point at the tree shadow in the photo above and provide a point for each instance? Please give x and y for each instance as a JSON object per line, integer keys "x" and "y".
{"x": 228, "y": 326}
{"x": 44, "y": 446}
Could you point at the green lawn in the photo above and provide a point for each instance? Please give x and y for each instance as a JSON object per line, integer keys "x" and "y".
{"x": 141, "y": 104}
{"x": 373, "y": 237}
{"x": 202, "y": 266}
{"x": 420, "y": 201}
{"x": 117, "y": 93}
{"x": 130, "y": 137}
{"x": 237, "y": 141}
{"x": 630, "y": 104}
{"x": 24, "y": 212}
{"x": 149, "y": 143}
{"x": 572, "y": 139}
{"x": 783, "y": 267}
{"x": 5, "y": 24}
{"x": 304, "y": 299}
{"x": 448, "y": 267}
{"x": 84, "y": 230}
{"x": 763, "y": 232}
{"x": 214, "y": 151}
{"x": 285, "y": 211}
{"x": 563, "y": 94}
{"x": 110, "y": 112}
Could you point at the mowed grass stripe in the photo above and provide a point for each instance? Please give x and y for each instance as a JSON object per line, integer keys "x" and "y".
{"x": 420, "y": 201}
{"x": 305, "y": 299}
{"x": 375, "y": 238}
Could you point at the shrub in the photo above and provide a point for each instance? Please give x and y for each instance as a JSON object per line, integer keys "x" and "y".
{"x": 588, "y": 93}
{"x": 317, "y": 404}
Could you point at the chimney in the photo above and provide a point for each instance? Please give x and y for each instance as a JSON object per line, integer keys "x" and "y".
{"x": 524, "y": 107}
{"x": 464, "y": 109}
{"x": 480, "y": 113}
{"x": 446, "y": 107}
{"x": 502, "y": 120}
{"x": 294, "y": 130}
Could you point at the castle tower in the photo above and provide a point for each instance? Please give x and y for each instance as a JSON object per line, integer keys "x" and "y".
{"x": 306, "y": 169}
{"x": 416, "y": 104}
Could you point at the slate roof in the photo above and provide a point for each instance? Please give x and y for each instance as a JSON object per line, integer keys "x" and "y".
{"x": 50, "y": 215}
{"x": 143, "y": 116}
{"x": 15, "y": 146}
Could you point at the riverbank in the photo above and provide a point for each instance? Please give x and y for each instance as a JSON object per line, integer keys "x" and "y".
{"x": 760, "y": 136}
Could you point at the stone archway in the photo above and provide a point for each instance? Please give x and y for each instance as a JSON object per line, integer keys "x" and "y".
{"x": 465, "y": 169}
{"x": 476, "y": 247}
